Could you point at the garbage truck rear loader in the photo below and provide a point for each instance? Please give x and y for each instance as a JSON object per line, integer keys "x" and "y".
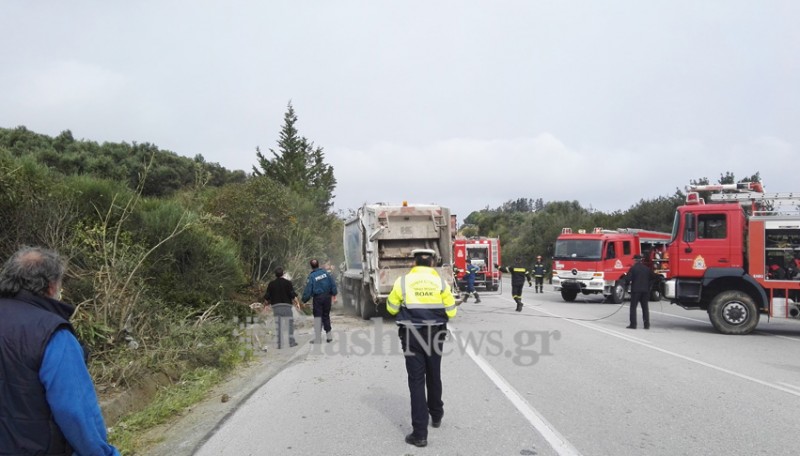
{"x": 378, "y": 242}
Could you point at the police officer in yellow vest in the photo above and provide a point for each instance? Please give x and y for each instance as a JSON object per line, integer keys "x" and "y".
{"x": 423, "y": 303}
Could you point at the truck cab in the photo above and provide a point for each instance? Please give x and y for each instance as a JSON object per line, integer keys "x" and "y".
{"x": 722, "y": 256}
{"x": 595, "y": 262}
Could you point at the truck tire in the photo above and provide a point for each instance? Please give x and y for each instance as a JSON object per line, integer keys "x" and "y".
{"x": 733, "y": 312}
{"x": 617, "y": 293}
{"x": 655, "y": 294}
{"x": 569, "y": 295}
{"x": 368, "y": 309}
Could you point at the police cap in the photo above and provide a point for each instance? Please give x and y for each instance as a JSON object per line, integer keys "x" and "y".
{"x": 423, "y": 252}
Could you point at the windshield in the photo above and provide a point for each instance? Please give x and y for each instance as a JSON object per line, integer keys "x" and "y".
{"x": 578, "y": 249}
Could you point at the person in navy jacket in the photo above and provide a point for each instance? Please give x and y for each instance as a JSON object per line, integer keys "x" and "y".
{"x": 322, "y": 287}
{"x": 49, "y": 405}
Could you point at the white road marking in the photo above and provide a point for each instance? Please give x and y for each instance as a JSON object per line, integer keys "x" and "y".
{"x": 789, "y": 385}
{"x": 557, "y": 441}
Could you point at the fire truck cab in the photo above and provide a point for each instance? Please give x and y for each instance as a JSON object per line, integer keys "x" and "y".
{"x": 592, "y": 263}
{"x": 736, "y": 259}
{"x": 484, "y": 253}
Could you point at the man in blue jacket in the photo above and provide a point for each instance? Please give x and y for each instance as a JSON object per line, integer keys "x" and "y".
{"x": 322, "y": 288}
{"x": 49, "y": 405}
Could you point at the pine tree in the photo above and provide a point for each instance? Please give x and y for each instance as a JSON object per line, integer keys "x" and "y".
{"x": 298, "y": 165}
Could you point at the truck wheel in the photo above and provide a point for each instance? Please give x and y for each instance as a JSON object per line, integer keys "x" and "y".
{"x": 368, "y": 309}
{"x": 733, "y": 312}
{"x": 569, "y": 295}
{"x": 655, "y": 294}
{"x": 617, "y": 293}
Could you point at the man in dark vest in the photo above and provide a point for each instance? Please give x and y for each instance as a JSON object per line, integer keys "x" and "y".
{"x": 49, "y": 405}
{"x": 641, "y": 279}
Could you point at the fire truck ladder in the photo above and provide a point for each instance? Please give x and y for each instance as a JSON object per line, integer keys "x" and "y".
{"x": 755, "y": 196}
{"x": 790, "y": 206}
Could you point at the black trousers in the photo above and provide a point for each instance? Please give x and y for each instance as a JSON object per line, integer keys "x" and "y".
{"x": 516, "y": 291}
{"x": 322, "y": 310}
{"x": 423, "y": 355}
{"x": 539, "y": 282}
{"x": 642, "y": 297}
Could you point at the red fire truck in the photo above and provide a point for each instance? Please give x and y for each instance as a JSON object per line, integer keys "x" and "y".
{"x": 591, "y": 263}
{"x": 484, "y": 253}
{"x": 738, "y": 258}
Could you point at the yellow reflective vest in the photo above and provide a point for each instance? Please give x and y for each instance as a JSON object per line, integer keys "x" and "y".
{"x": 421, "y": 297}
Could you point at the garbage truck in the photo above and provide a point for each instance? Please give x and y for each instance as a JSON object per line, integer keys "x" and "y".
{"x": 378, "y": 242}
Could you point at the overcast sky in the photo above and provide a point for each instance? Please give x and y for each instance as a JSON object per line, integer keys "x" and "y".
{"x": 462, "y": 103}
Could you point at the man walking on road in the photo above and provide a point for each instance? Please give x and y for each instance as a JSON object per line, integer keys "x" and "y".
{"x": 280, "y": 296}
{"x": 640, "y": 278}
{"x": 518, "y": 277}
{"x": 423, "y": 303}
{"x": 322, "y": 287}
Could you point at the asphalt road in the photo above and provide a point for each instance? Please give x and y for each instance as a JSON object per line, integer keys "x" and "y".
{"x": 555, "y": 379}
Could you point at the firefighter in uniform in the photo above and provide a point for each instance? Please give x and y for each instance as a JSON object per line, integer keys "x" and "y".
{"x": 423, "y": 303}
{"x": 518, "y": 277}
{"x": 539, "y": 271}
{"x": 469, "y": 275}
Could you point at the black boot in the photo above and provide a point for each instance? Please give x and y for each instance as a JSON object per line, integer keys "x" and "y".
{"x": 477, "y": 298}
{"x": 519, "y": 305}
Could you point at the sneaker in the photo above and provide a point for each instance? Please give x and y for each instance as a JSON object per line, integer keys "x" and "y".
{"x": 411, "y": 440}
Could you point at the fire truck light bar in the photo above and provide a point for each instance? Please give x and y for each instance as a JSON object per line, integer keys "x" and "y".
{"x": 694, "y": 198}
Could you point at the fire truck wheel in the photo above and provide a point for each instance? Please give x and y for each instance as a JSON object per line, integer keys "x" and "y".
{"x": 569, "y": 295}
{"x": 733, "y": 312}
{"x": 617, "y": 293}
{"x": 655, "y": 295}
